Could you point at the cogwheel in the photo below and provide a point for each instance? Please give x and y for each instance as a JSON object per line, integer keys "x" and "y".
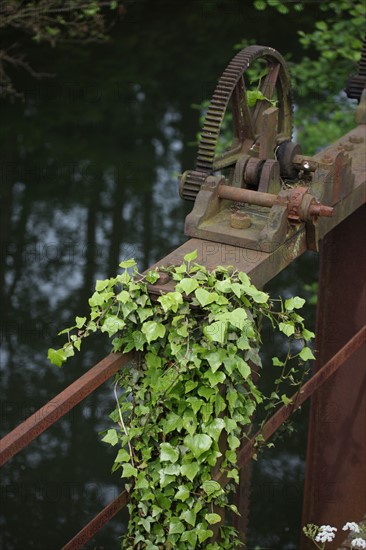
{"x": 246, "y": 119}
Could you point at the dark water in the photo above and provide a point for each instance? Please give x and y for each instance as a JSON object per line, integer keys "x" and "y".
{"x": 88, "y": 177}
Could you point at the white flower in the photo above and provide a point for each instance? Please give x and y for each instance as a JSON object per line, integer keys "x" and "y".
{"x": 352, "y": 526}
{"x": 325, "y": 536}
{"x": 326, "y": 533}
{"x": 327, "y": 528}
{"x": 358, "y": 543}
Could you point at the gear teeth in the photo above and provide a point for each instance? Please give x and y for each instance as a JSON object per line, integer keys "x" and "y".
{"x": 357, "y": 82}
{"x": 191, "y": 186}
{"x": 215, "y": 114}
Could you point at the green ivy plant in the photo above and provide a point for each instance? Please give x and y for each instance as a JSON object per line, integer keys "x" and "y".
{"x": 188, "y": 400}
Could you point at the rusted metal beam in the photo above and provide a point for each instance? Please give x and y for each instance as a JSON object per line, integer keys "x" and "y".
{"x": 98, "y": 522}
{"x": 47, "y": 415}
{"x": 317, "y": 380}
{"x": 335, "y": 482}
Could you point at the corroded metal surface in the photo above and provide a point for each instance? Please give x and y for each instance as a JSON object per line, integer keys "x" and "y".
{"x": 335, "y": 486}
{"x": 263, "y": 169}
{"x": 38, "y": 422}
{"x": 247, "y": 122}
{"x": 97, "y": 523}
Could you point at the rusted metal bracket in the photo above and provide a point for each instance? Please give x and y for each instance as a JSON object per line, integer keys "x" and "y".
{"x": 264, "y": 191}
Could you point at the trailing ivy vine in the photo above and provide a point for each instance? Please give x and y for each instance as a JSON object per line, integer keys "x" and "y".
{"x": 187, "y": 402}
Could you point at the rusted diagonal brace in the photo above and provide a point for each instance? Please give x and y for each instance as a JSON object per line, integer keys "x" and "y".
{"x": 47, "y": 415}
{"x": 247, "y": 451}
{"x": 98, "y": 522}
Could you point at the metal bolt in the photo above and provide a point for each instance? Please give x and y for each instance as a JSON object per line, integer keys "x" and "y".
{"x": 348, "y": 147}
{"x": 327, "y": 159}
{"x": 356, "y": 139}
{"x": 240, "y": 220}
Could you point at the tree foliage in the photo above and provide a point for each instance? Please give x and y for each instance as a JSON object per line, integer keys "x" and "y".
{"x": 49, "y": 21}
{"x": 332, "y": 49}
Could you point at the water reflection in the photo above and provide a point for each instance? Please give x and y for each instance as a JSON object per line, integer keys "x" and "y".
{"x": 88, "y": 179}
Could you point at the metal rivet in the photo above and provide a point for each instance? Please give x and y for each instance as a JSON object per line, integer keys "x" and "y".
{"x": 356, "y": 139}
{"x": 240, "y": 220}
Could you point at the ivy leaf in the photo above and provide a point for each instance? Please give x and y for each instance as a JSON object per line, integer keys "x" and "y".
{"x": 215, "y": 428}
{"x": 212, "y": 518}
{"x": 144, "y": 313}
{"x": 128, "y": 470}
{"x": 258, "y": 296}
{"x": 172, "y": 422}
{"x": 294, "y": 303}
{"x": 190, "y": 470}
{"x": 101, "y": 285}
{"x": 152, "y": 276}
{"x": 56, "y": 356}
{"x": 80, "y": 321}
{"x": 237, "y": 317}
{"x": 171, "y": 470}
{"x": 198, "y": 444}
{"x": 187, "y": 285}
{"x": 216, "y": 332}
{"x": 306, "y": 354}
{"x": 171, "y": 300}
{"x": 122, "y": 456}
{"x": 98, "y": 299}
{"x": 220, "y": 404}
{"x": 153, "y": 330}
{"x": 205, "y": 392}
{"x": 287, "y": 328}
{"x": 189, "y": 516}
{"x": 215, "y": 378}
{"x": 123, "y": 297}
{"x": 195, "y": 403}
{"x": 307, "y": 334}
{"x": 168, "y": 453}
{"x": 243, "y": 368}
{"x": 232, "y": 396}
{"x": 237, "y": 289}
{"x": 190, "y": 536}
{"x": 223, "y": 286}
{"x": 286, "y": 400}
{"x": 111, "y": 437}
{"x": 138, "y": 339}
{"x": 127, "y": 264}
{"x": 190, "y": 385}
{"x": 189, "y": 421}
{"x": 215, "y": 359}
{"x": 112, "y": 324}
{"x": 212, "y": 487}
{"x": 182, "y": 493}
{"x": 190, "y": 256}
{"x": 204, "y": 534}
{"x": 176, "y": 526}
{"x": 233, "y": 441}
{"x": 204, "y": 297}
{"x": 276, "y": 362}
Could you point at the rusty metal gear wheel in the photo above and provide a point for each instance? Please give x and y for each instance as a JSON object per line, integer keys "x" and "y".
{"x": 246, "y": 120}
